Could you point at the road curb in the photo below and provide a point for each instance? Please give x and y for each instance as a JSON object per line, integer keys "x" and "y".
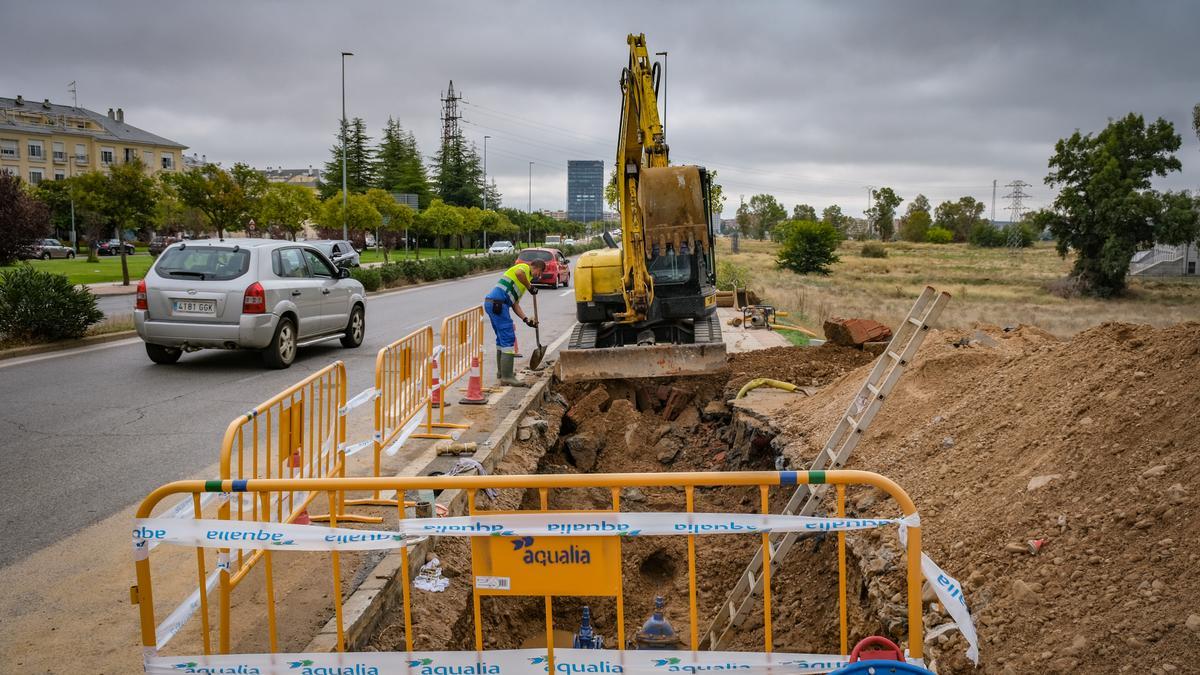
{"x": 64, "y": 345}
{"x": 382, "y": 591}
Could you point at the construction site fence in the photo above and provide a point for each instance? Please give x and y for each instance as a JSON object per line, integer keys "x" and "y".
{"x": 496, "y": 534}
{"x": 462, "y": 348}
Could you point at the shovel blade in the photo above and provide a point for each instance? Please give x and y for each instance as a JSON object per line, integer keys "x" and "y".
{"x": 580, "y": 365}
{"x": 535, "y": 360}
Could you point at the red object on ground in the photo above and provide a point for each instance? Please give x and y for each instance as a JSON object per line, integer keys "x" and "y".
{"x": 294, "y": 461}
{"x": 302, "y": 518}
{"x": 855, "y": 332}
{"x": 475, "y": 385}
{"x": 437, "y": 401}
{"x": 889, "y": 652}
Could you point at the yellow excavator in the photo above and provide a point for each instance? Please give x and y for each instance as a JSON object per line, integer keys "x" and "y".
{"x": 647, "y": 307}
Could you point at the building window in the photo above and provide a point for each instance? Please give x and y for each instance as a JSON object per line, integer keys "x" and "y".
{"x": 10, "y": 149}
{"x": 1191, "y": 263}
{"x": 148, "y": 158}
{"x": 59, "y": 174}
{"x": 106, "y": 155}
{"x": 35, "y": 176}
{"x": 168, "y": 161}
{"x": 10, "y": 170}
{"x": 130, "y": 154}
{"x": 36, "y": 150}
{"x": 60, "y": 152}
{"x": 80, "y": 153}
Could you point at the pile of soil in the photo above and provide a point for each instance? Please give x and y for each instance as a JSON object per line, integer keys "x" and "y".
{"x": 805, "y": 366}
{"x": 1090, "y": 445}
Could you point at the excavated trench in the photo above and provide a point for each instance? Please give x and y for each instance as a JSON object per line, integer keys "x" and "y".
{"x": 683, "y": 424}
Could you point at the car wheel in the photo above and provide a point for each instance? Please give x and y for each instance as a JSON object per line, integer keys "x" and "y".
{"x": 46, "y": 256}
{"x": 70, "y": 255}
{"x": 356, "y": 328}
{"x": 163, "y": 355}
{"x": 282, "y": 350}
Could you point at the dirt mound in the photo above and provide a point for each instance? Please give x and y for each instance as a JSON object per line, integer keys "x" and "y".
{"x": 1089, "y": 444}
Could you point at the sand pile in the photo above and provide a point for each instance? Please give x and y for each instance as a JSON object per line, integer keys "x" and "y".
{"x": 1091, "y": 445}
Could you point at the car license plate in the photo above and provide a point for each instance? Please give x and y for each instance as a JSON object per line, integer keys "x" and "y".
{"x": 196, "y": 306}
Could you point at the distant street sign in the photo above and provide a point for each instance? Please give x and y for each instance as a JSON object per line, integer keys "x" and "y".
{"x": 409, "y": 200}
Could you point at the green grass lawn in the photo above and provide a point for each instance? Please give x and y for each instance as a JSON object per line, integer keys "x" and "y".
{"x": 80, "y": 271}
{"x": 374, "y": 255}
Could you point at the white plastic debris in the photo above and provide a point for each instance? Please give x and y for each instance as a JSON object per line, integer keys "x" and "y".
{"x": 430, "y": 577}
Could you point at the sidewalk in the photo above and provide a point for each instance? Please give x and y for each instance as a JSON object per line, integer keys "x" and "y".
{"x": 112, "y": 288}
{"x": 742, "y": 339}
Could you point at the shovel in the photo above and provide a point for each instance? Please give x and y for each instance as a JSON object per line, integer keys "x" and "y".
{"x": 535, "y": 359}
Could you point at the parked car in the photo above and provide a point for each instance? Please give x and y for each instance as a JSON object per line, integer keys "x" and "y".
{"x": 47, "y": 249}
{"x": 340, "y": 251}
{"x": 501, "y": 247}
{"x": 113, "y": 247}
{"x": 569, "y": 242}
{"x": 159, "y": 244}
{"x": 265, "y": 294}
{"x": 557, "y": 270}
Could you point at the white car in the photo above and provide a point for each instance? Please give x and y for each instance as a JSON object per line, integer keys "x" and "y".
{"x": 501, "y": 248}
{"x": 569, "y": 242}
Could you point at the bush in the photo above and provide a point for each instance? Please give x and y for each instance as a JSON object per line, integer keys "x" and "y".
{"x": 939, "y": 235}
{"x": 369, "y": 277}
{"x": 390, "y": 273}
{"x": 810, "y": 248}
{"x": 874, "y": 249}
{"x": 731, "y": 276}
{"x": 986, "y": 235}
{"x": 38, "y": 306}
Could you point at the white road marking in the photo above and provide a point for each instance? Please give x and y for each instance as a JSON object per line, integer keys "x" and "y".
{"x": 8, "y": 363}
{"x": 566, "y": 292}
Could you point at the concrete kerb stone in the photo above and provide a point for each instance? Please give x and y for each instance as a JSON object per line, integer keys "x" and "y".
{"x": 382, "y": 592}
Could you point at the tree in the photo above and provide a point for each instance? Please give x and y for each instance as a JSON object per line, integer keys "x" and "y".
{"x": 361, "y": 218}
{"x": 90, "y": 192}
{"x": 883, "y": 211}
{"x": 804, "y": 212}
{"x": 253, "y": 184}
{"x": 716, "y": 195}
{"x": 23, "y": 219}
{"x": 915, "y": 225}
{"x": 131, "y": 202}
{"x": 832, "y": 215}
{"x": 172, "y": 216}
{"x": 395, "y": 218}
{"x": 1105, "y": 209}
{"x": 360, "y": 165}
{"x": 458, "y": 173}
{"x": 809, "y": 247}
{"x": 919, "y": 203}
{"x": 216, "y": 194}
{"x": 765, "y": 213}
{"x": 56, "y": 195}
{"x": 440, "y": 220}
{"x": 284, "y": 208}
{"x": 959, "y": 217}
{"x": 612, "y": 195}
{"x": 399, "y": 167}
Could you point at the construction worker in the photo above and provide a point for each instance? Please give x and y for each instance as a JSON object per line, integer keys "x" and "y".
{"x": 505, "y": 295}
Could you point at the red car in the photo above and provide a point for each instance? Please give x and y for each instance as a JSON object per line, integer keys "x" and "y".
{"x": 557, "y": 272}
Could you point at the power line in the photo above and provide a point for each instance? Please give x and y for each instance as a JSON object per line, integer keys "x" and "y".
{"x": 1016, "y": 205}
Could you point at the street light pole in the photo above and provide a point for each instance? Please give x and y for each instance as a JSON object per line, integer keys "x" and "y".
{"x": 485, "y": 188}
{"x": 531, "y": 203}
{"x": 664, "y": 88}
{"x": 345, "y": 227}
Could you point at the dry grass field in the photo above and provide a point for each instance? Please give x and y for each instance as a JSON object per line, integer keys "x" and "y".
{"x": 993, "y": 286}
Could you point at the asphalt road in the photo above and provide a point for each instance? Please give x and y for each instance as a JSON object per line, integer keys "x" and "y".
{"x": 85, "y": 433}
{"x": 115, "y": 306}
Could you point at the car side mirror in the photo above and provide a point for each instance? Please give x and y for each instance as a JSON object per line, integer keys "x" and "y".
{"x": 566, "y": 261}
{"x": 343, "y": 273}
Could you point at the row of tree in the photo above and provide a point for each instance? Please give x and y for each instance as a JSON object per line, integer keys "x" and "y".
{"x": 396, "y": 165}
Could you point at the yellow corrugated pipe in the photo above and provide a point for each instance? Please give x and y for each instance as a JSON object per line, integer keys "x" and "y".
{"x": 765, "y": 382}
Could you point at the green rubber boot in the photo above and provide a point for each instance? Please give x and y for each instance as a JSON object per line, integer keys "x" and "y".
{"x": 499, "y": 363}
{"x": 506, "y": 371}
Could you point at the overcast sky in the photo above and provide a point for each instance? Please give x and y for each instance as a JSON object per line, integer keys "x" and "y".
{"x": 809, "y": 101}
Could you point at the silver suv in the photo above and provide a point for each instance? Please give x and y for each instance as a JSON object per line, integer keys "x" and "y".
{"x": 265, "y": 294}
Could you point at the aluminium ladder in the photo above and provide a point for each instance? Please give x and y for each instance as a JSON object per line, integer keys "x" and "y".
{"x": 805, "y": 500}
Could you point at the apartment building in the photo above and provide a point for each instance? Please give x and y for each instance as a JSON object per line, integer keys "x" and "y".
{"x": 47, "y": 141}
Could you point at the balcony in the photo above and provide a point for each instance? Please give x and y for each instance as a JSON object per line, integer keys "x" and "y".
{"x": 60, "y": 158}
{"x": 81, "y": 160}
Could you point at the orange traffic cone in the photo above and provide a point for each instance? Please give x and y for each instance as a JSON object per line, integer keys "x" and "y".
{"x": 437, "y": 401}
{"x": 302, "y": 518}
{"x": 475, "y": 385}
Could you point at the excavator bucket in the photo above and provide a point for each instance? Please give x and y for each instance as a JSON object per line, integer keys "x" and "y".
{"x": 583, "y": 360}
{"x": 607, "y": 363}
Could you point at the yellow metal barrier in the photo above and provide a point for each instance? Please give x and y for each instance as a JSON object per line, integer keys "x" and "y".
{"x": 298, "y": 433}
{"x": 263, "y": 491}
{"x": 462, "y": 341}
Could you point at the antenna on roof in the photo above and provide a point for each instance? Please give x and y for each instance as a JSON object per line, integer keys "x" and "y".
{"x": 74, "y": 93}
